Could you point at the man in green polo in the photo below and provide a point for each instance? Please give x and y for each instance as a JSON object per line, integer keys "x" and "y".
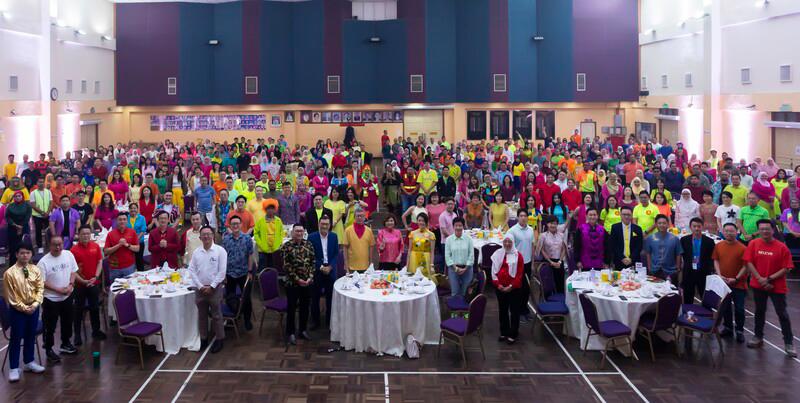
{"x": 751, "y": 214}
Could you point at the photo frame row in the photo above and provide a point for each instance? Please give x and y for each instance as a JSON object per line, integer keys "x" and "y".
{"x": 175, "y": 123}
{"x": 336, "y": 117}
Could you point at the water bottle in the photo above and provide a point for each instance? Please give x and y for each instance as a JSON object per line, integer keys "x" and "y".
{"x": 96, "y": 359}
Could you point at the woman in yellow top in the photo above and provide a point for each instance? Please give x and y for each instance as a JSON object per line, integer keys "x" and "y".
{"x": 352, "y": 203}
{"x": 498, "y": 213}
{"x": 610, "y": 215}
{"x": 358, "y": 243}
{"x": 337, "y": 207}
{"x": 421, "y": 244}
{"x": 177, "y": 184}
{"x": 661, "y": 189}
{"x": 779, "y": 182}
{"x": 587, "y": 180}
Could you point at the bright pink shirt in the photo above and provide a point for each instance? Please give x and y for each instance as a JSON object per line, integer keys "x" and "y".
{"x": 393, "y": 244}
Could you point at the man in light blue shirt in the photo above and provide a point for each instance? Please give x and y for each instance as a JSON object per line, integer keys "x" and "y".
{"x": 459, "y": 256}
{"x": 204, "y": 198}
{"x": 523, "y": 239}
{"x": 663, "y": 251}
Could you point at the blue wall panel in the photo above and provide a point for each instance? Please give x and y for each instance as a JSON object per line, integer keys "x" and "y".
{"x": 228, "y": 78}
{"x": 308, "y": 61}
{"x": 472, "y": 50}
{"x": 392, "y": 82}
{"x": 196, "y": 57}
{"x": 277, "y": 61}
{"x": 556, "y": 74}
{"x": 522, "y": 59}
{"x": 360, "y": 61}
{"x": 440, "y": 52}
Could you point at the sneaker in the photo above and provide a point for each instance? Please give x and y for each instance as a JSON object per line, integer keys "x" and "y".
{"x": 33, "y": 367}
{"x": 13, "y": 375}
{"x": 739, "y": 337}
{"x": 755, "y": 342}
{"x": 99, "y": 335}
{"x": 789, "y": 348}
{"x": 502, "y": 338}
{"x": 52, "y": 356}
{"x": 68, "y": 349}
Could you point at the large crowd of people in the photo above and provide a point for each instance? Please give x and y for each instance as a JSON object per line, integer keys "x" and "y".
{"x": 224, "y": 210}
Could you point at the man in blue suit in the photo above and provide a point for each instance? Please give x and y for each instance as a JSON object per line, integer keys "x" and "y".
{"x": 326, "y": 252}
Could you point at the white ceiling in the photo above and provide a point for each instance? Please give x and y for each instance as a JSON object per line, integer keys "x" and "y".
{"x": 191, "y": 1}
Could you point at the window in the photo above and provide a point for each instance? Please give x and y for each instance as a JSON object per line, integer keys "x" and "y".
{"x": 84, "y": 86}
{"x": 688, "y": 80}
{"x": 523, "y": 124}
{"x": 417, "y": 83}
{"x": 580, "y": 82}
{"x": 499, "y": 128}
{"x": 499, "y": 82}
{"x": 374, "y": 10}
{"x": 745, "y": 76}
{"x": 251, "y": 85}
{"x": 786, "y": 73}
{"x": 644, "y": 84}
{"x": 476, "y": 125}
{"x": 97, "y": 87}
{"x": 13, "y": 83}
{"x": 69, "y": 86}
{"x": 664, "y": 81}
{"x": 172, "y": 85}
{"x": 333, "y": 84}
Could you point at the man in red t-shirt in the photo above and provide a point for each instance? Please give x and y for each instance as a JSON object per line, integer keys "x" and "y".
{"x": 121, "y": 246}
{"x": 768, "y": 262}
{"x": 90, "y": 267}
{"x": 547, "y": 190}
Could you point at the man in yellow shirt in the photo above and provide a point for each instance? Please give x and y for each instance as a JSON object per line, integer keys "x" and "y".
{"x": 738, "y": 191}
{"x": 427, "y": 179}
{"x": 455, "y": 170}
{"x": 10, "y": 169}
{"x": 644, "y": 214}
{"x": 256, "y": 205}
{"x": 268, "y": 234}
{"x": 249, "y": 190}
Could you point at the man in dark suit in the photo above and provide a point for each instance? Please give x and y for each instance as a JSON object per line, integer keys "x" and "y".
{"x": 697, "y": 261}
{"x": 326, "y": 254}
{"x": 624, "y": 248}
{"x": 312, "y": 215}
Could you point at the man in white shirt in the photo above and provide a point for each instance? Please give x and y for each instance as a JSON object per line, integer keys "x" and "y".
{"x": 59, "y": 269}
{"x": 523, "y": 237}
{"x": 208, "y": 266}
{"x": 191, "y": 238}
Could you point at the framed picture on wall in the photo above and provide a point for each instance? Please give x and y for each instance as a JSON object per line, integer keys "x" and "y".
{"x": 347, "y": 117}
{"x": 522, "y": 127}
{"x": 356, "y": 117}
{"x": 276, "y": 121}
{"x": 398, "y": 117}
{"x": 646, "y": 132}
{"x": 366, "y": 117}
{"x": 386, "y": 117}
{"x": 377, "y": 117}
{"x": 316, "y": 117}
{"x": 545, "y": 124}
{"x": 326, "y": 117}
{"x": 336, "y": 117}
{"x": 288, "y": 117}
{"x": 476, "y": 125}
{"x": 305, "y": 117}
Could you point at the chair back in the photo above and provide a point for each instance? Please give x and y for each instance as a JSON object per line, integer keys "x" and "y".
{"x": 480, "y": 279}
{"x": 244, "y": 294}
{"x": 477, "y": 308}
{"x": 269, "y": 284}
{"x": 5, "y": 320}
{"x": 711, "y": 300}
{"x": 667, "y": 311}
{"x": 548, "y": 279}
{"x": 476, "y": 262}
{"x": 718, "y": 313}
{"x": 486, "y": 254}
{"x": 125, "y": 306}
{"x": 589, "y": 312}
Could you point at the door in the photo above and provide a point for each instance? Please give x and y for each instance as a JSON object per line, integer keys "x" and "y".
{"x": 89, "y": 136}
{"x": 424, "y": 123}
{"x": 786, "y": 147}
{"x": 668, "y": 131}
{"x": 588, "y": 130}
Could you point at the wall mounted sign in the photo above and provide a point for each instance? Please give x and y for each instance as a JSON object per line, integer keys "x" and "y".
{"x": 177, "y": 123}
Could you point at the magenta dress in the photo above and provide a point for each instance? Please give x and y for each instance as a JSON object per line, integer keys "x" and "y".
{"x": 393, "y": 245}
{"x": 369, "y": 194}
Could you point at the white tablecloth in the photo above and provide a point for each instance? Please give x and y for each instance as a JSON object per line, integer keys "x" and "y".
{"x": 478, "y": 243}
{"x": 371, "y": 322}
{"x": 608, "y": 308}
{"x": 176, "y": 312}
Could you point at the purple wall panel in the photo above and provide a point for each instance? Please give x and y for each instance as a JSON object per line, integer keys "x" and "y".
{"x": 251, "y": 45}
{"x": 413, "y": 13}
{"x": 498, "y": 45}
{"x": 336, "y": 11}
{"x": 147, "y": 52}
{"x": 606, "y": 48}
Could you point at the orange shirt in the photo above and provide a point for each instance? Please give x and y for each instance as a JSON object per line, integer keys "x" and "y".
{"x": 218, "y": 186}
{"x": 247, "y": 219}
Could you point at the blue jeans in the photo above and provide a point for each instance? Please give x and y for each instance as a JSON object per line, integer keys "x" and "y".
{"x": 459, "y": 283}
{"x": 737, "y": 298}
{"x": 23, "y": 330}
{"x": 114, "y": 274}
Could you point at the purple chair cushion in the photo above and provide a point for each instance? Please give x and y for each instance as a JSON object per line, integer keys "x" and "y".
{"x": 702, "y": 324}
{"x": 613, "y": 328}
{"x": 455, "y": 325}
{"x": 552, "y": 308}
{"x": 142, "y": 329}
{"x": 277, "y": 304}
{"x": 698, "y": 310}
{"x": 556, "y": 297}
{"x": 457, "y": 303}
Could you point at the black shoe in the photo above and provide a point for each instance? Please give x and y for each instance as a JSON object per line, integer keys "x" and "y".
{"x": 314, "y": 326}
{"x": 248, "y": 325}
{"x": 305, "y": 336}
{"x": 77, "y": 341}
{"x": 68, "y": 349}
{"x": 502, "y": 338}
{"x": 292, "y": 340}
{"x": 727, "y": 333}
{"x": 511, "y": 340}
{"x": 98, "y": 335}
{"x": 739, "y": 337}
{"x": 203, "y": 344}
{"x": 52, "y": 357}
{"x": 216, "y": 346}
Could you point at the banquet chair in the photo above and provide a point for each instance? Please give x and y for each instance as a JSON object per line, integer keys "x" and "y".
{"x": 476, "y": 265}
{"x": 486, "y": 256}
{"x": 706, "y": 327}
{"x": 231, "y": 317}
{"x": 706, "y": 307}
{"x": 458, "y": 304}
{"x": 547, "y": 278}
{"x": 555, "y": 312}
{"x": 610, "y": 329}
{"x": 5, "y": 321}
{"x": 456, "y": 329}
{"x": 270, "y": 296}
{"x": 663, "y": 319}
{"x": 130, "y": 327}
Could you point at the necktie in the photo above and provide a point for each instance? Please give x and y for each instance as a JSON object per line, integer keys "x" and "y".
{"x": 627, "y": 236}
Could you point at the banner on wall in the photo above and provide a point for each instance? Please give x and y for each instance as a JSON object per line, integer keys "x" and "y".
{"x": 350, "y": 117}
{"x": 174, "y": 123}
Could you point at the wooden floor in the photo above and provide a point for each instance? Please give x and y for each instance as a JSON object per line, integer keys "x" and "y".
{"x": 541, "y": 367}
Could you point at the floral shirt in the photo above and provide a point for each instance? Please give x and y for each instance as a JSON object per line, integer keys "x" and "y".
{"x": 239, "y": 250}
{"x": 298, "y": 261}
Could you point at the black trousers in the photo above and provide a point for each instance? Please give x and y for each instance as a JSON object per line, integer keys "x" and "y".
{"x": 558, "y": 277}
{"x": 525, "y": 289}
{"x": 40, "y": 224}
{"x": 779, "y": 302}
{"x": 14, "y": 241}
{"x": 298, "y": 297}
{"x": 82, "y": 296}
{"x": 268, "y": 260}
{"x": 230, "y": 289}
{"x": 322, "y": 287}
{"x": 694, "y": 282}
{"x": 140, "y": 259}
{"x": 51, "y": 313}
{"x": 508, "y": 304}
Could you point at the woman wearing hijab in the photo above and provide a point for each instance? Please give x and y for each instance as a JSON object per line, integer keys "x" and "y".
{"x": 507, "y": 272}
{"x": 636, "y": 185}
{"x": 611, "y": 188}
{"x": 765, "y": 192}
{"x": 686, "y": 208}
{"x": 770, "y": 168}
{"x": 18, "y": 216}
{"x": 791, "y": 223}
{"x": 791, "y": 192}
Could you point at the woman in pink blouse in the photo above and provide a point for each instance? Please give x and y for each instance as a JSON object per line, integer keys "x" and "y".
{"x": 390, "y": 245}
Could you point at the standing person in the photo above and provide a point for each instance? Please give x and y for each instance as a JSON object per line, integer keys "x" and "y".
{"x": 18, "y": 216}
{"x": 697, "y": 261}
{"x": 89, "y": 258}
{"x": 589, "y": 243}
{"x": 58, "y": 272}
{"x": 41, "y": 205}
{"x": 23, "y": 288}
{"x": 164, "y": 242}
{"x": 207, "y": 268}
{"x": 190, "y": 239}
{"x": 686, "y": 209}
{"x": 65, "y": 221}
{"x": 663, "y": 251}
{"x": 268, "y": 235}
{"x": 729, "y": 264}
{"x": 459, "y": 257}
{"x": 644, "y": 214}
{"x": 358, "y": 242}
{"x": 241, "y": 267}
{"x": 524, "y": 238}
{"x": 298, "y": 262}
{"x": 120, "y": 248}
{"x": 727, "y": 212}
{"x": 751, "y": 215}
{"x": 240, "y": 211}
{"x": 390, "y": 245}
{"x": 768, "y": 262}
{"x": 507, "y": 271}
{"x": 204, "y": 197}
{"x": 138, "y": 223}
{"x": 326, "y": 255}
{"x": 708, "y": 212}
{"x": 421, "y": 249}
{"x": 312, "y": 215}
{"x": 625, "y": 241}
{"x": 288, "y": 207}
{"x": 553, "y": 247}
